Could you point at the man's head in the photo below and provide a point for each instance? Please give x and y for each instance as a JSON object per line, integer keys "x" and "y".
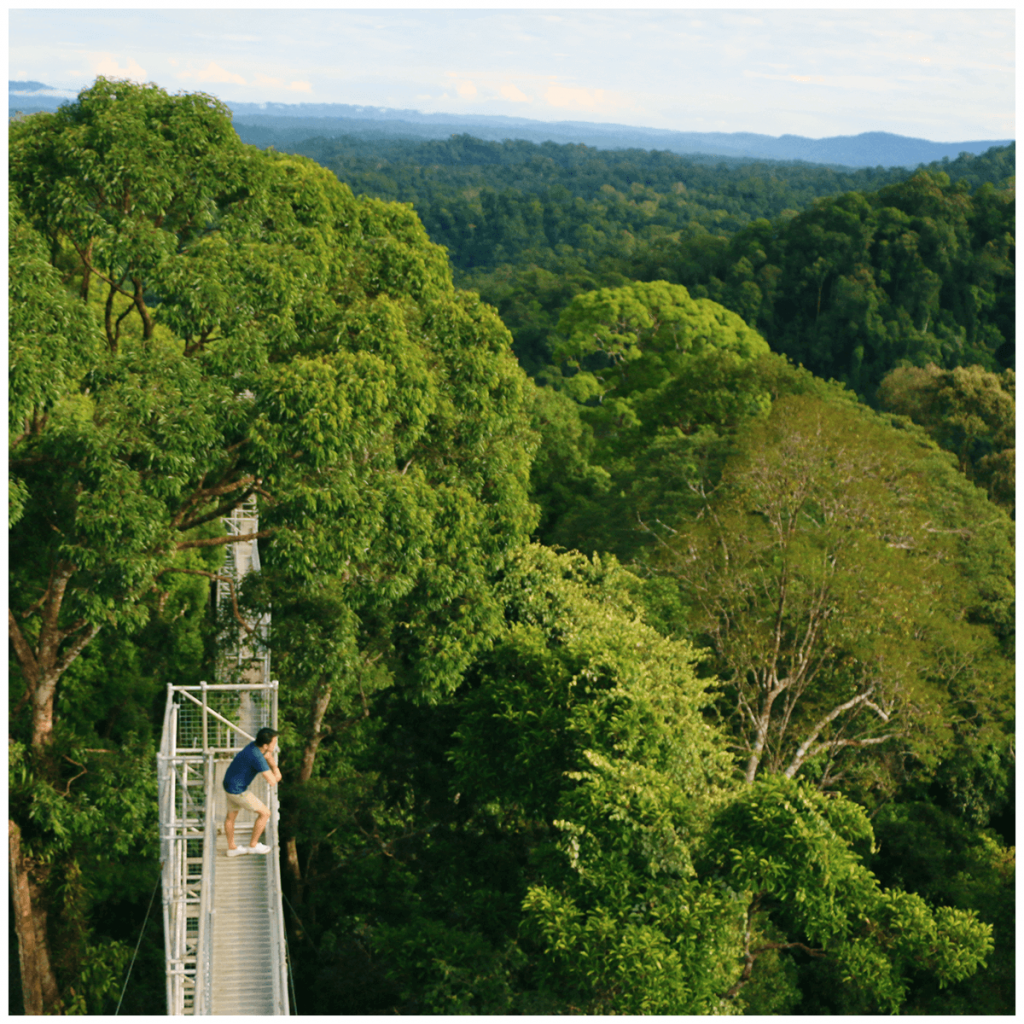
{"x": 265, "y": 738}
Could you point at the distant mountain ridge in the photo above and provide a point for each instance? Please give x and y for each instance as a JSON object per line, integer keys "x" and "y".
{"x": 266, "y": 124}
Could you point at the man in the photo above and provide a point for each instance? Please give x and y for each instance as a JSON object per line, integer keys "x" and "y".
{"x": 256, "y": 758}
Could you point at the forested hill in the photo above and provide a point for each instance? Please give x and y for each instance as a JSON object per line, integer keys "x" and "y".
{"x": 922, "y": 271}
{"x": 646, "y": 193}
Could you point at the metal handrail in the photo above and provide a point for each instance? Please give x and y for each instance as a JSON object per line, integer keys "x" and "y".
{"x": 223, "y": 686}
{"x": 276, "y": 915}
{"x": 204, "y": 946}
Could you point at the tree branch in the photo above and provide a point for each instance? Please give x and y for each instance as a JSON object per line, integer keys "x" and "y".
{"x": 220, "y": 511}
{"x": 215, "y": 576}
{"x": 24, "y": 652}
{"x": 67, "y": 788}
{"x": 77, "y": 647}
{"x": 802, "y": 751}
{"x": 210, "y": 492}
{"x": 212, "y": 542}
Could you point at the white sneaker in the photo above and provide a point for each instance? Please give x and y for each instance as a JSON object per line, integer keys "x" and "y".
{"x": 259, "y": 848}
{"x": 238, "y": 851}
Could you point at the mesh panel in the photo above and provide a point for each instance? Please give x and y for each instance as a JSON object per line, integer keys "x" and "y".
{"x": 190, "y": 726}
{"x": 225, "y": 703}
{"x": 248, "y": 710}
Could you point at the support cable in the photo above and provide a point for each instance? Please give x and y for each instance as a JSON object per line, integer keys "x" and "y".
{"x": 139, "y": 943}
{"x": 291, "y": 977}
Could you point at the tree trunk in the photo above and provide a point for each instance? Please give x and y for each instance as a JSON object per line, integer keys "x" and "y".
{"x": 762, "y": 725}
{"x": 140, "y": 305}
{"x": 86, "y": 270}
{"x": 38, "y": 983}
{"x": 43, "y": 665}
{"x": 292, "y": 863}
{"x": 313, "y": 737}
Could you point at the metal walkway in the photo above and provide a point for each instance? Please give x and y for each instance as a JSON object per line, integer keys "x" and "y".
{"x": 223, "y": 925}
{"x": 244, "y": 896}
{"x": 223, "y": 919}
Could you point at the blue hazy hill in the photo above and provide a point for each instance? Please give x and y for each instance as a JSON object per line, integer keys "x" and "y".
{"x": 281, "y": 124}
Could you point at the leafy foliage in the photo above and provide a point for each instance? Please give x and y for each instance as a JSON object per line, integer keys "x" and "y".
{"x": 530, "y": 226}
{"x": 797, "y": 861}
{"x": 824, "y": 578}
{"x": 968, "y": 411}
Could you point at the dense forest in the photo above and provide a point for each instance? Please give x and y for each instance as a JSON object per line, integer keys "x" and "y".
{"x": 637, "y": 533}
{"x": 923, "y": 268}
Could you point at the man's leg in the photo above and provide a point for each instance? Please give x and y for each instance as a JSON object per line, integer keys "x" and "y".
{"x": 260, "y": 824}
{"x": 229, "y": 828}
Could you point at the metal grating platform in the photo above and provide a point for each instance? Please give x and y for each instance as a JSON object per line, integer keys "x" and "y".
{"x": 242, "y": 958}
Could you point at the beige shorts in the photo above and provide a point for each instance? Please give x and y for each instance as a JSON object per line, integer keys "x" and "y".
{"x": 245, "y": 802}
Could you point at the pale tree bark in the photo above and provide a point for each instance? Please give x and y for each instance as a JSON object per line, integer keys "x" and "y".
{"x": 38, "y": 983}
{"x": 810, "y": 748}
{"x": 761, "y": 721}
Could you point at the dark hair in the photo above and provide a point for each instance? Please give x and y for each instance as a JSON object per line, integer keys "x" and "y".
{"x": 265, "y": 735}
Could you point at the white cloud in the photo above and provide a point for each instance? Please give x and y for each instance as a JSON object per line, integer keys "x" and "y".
{"x": 213, "y": 73}
{"x": 300, "y": 87}
{"x": 510, "y": 92}
{"x": 262, "y": 79}
{"x": 106, "y": 64}
{"x": 593, "y": 100}
{"x": 467, "y": 90}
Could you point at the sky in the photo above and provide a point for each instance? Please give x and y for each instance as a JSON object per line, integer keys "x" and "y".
{"x": 944, "y": 74}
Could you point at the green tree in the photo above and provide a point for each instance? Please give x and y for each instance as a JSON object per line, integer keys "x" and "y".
{"x": 264, "y": 334}
{"x": 646, "y": 372}
{"x": 833, "y": 576}
{"x": 968, "y": 411}
{"x": 924, "y": 848}
{"x": 126, "y": 177}
{"x": 797, "y": 856}
{"x": 654, "y": 885}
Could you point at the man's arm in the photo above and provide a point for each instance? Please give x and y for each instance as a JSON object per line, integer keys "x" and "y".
{"x": 273, "y": 766}
{"x": 270, "y": 777}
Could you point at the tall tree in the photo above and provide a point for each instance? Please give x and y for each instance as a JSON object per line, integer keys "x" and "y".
{"x": 833, "y": 576}
{"x": 260, "y": 333}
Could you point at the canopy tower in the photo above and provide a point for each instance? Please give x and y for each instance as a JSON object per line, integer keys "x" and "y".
{"x": 223, "y": 921}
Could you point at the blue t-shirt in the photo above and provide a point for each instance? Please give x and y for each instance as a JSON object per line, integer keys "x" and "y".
{"x": 248, "y": 763}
